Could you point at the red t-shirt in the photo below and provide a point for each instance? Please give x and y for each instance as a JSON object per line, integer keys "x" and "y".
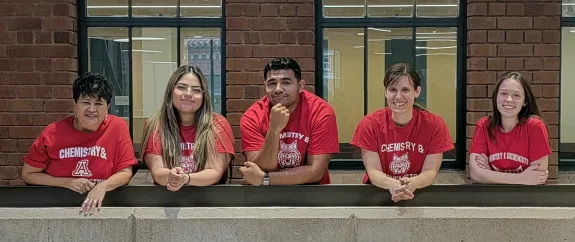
{"x": 311, "y": 130}
{"x": 224, "y": 142}
{"x": 513, "y": 151}
{"x": 63, "y": 151}
{"x": 402, "y": 150}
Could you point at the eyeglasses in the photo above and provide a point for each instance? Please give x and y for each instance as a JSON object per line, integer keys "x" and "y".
{"x": 193, "y": 90}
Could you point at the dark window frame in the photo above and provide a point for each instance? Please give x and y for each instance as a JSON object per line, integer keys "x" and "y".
{"x": 414, "y": 22}
{"x": 563, "y": 164}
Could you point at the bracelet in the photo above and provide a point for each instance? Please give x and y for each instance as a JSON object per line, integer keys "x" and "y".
{"x": 189, "y": 179}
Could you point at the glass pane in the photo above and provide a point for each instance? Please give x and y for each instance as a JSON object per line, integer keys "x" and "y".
{"x": 201, "y": 8}
{"x": 567, "y": 135}
{"x": 436, "y": 64}
{"x": 154, "y": 8}
{"x": 108, "y": 55}
{"x": 154, "y": 53}
{"x": 343, "y": 66}
{"x": 390, "y": 8}
{"x": 437, "y": 8}
{"x": 385, "y": 48}
{"x": 344, "y": 8}
{"x": 568, "y": 8}
{"x": 115, "y": 8}
{"x": 202, "y": 47}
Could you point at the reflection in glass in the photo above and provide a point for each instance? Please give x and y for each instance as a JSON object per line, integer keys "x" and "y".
{"x": 109, "y": 8}
{"x": 568, "y": 8}
{"x": 437, "y": 8}
{"x": 390, "y": 8}
{"x": 202, "y": 48}
{"x": 109, "y": 56}
{"x": 567, "y": 129}
{"x": 344, "y": 8}
{"x": 201, "y": 8}
{"x": 154, "y": 53}
{"x": 154, "y": 8}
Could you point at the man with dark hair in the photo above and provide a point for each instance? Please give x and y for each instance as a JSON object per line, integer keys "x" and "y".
{"x": 288, "y": 136}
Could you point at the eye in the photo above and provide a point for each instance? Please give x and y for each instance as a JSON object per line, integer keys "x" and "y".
{"x": 197, "y": 90}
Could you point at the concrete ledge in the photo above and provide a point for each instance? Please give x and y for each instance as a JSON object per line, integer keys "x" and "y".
{"x": 289, "y": 224}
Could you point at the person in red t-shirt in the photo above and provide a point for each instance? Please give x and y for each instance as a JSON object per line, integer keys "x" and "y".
{"x": 512, "y": 145}
{"x": 89, "y": 152}
{"x": 289, "y": 135}
{"x": 402, "y": 145}
{"x": 185, "y": 143}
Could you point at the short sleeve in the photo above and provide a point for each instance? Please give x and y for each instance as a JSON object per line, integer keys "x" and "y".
{"x": 37, "y": 155}
{"x": 252, "y": 138}
{"x": 126, "y": 156}
{"x": 538, "y": 140}
{"x": 154, "y": 145}
{"x": 480, "y": 139}
{"x": 365, "y": 136}
{"x": 440, "y": 138}
{"x": 225, "y": 136}
{"x": 324, "y": 135}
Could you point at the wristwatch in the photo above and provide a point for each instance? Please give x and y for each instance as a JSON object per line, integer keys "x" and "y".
{"x": 266, "y": 180}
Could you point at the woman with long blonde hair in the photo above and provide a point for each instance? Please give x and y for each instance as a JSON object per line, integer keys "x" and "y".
{"x": 185, "y": 143}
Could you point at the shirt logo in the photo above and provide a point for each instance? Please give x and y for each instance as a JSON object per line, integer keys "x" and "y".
{"x": 400, "y": 164}
{"x": 188, "y": 163}
{"x": 82, "y": 169}
{"x": 288, "y": 155}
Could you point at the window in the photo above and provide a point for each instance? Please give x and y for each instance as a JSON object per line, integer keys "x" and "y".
{"x": 361, "y": 39}
{"x": 139, "y": 46}
{"x": 567, "y": 83}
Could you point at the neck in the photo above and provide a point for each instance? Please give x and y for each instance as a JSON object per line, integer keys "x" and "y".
{"x": 402, "y": 119}
{"x": 508, "y": 123}
{"x": 187, "y": 119}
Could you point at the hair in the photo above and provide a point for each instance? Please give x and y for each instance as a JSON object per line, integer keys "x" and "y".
{"x": 167, "y": 121}
{"x": 531, "y": 109}
{"x": 93, "y": 85}
{"x": 283, "y": 63}
{"x": 398, "y": 70}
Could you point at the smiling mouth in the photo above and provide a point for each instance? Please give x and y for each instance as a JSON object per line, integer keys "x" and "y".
{"x": 399, "y": 104}
{"x": 508, "y": 107}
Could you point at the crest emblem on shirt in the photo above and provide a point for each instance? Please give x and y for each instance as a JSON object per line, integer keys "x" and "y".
{"x": 188, "y": 163}
{"x": 518, "y": 170}
{"x": 288, "y": 155}
{"x": 399, "y": 164}
{"x": 82, "y": 169}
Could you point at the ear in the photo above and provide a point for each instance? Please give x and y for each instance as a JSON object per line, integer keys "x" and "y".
{"x": 417, "y": 91}
{"x": 301, "y": 85}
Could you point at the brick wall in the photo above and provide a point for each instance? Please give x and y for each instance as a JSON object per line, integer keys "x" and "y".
{"x": 258, "y": 31}
{"x": 38, "y": 62}
{"x": 514, "y": 36}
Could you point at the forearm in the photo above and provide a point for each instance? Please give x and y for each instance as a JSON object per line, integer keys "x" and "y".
{"x": 206, "y": 177}
{"x": 119, "y": 179}
{"x": 380, "y": 179}
{"x": 160, "y": 176}
{"x": 41, "y": 178}
{"x": 295, "y": 176}
{"x": 425, "y": 179}
{"x": 480, "y": 175}
{"x": 267, "y": 157}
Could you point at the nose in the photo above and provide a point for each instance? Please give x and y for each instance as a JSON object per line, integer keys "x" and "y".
{"x": 279, "y": 88}
{"x": 92, "y": 108}
{"x": 398, "y": 95}
{"x": 508, "y": 98}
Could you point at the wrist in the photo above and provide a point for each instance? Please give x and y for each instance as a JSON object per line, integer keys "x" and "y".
{"x": 189, "y": 179}
{"x": 265, "y": 178}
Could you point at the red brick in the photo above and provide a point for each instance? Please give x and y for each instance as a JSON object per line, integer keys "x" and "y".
{"x": 24, "y": 51}
{"x": 42, "y": 9}
{"x": 496, "y": 36}
{"x": 473, "y": 117}
{"x": 24, "y": 65}
{"x": 58, "y": 23}
{"x": 515, "y": 9}
{"x": 3, "y": 134}
{"x": 63, "y": 37}
{"x": 7, "y": 92}
{"x": 238, "y": 23}
{"x": 235, "y": 92}
{"x": 310, "y": 77}
{"x": 469, "y": 131}
{"x": 482, "y": 50}
{"x": 476, "y": 9}
{"x": 287, "y": 10}
{"x": 234, "y": 37}
{"x": 23, "y": 9}
{"x": 234, "y": 118}
{"x": 537, "y": 91}
{"x": 60, "y": 116}
{"x": 533, "y": 64}
{"x": 244, "y": 78}
{"x": 546, "y": 77}
{"x": 476, "y": 91}
{"x": 300, "y": 23}
{"x": 551, "y": 63}
{"x": 10, "y": 172}
{"x": 514, "y": 36}
{"x": 6, "y": 9}
{"x": 547, "y": 50}
{"x": 27, "y": 132}
{"x": 551, "y": 36}
{"x": 59, "y": 51}
{"x": 288, "y": 37}
{"x": 256, "y": 64}
{"x": 8, "y": 145}
{"x": 25, "y": 92}
{"x": 306, "y": 64}
{"x": 480, "y": 77}
{"x": 25, "y": 37}
{"x": 31, "y": 119}
{"x": 233, "y": 9}
{"x": 64, "y": 9}
{"x": 477, "y": 36}
{"x": 59, "y": 105}
{"x": 23, "y": 78}
{"x": 235, "y": 64}
{"x": 496, "y": 9}
{"x": 254, "y": 92}
{"x": 553, "y": 133}
{"x": 18, "y": 24}
{"x": 481, "y": 23}
{"x": 62, "y": 92}
{"x": 514, "y": 22}
{"x": 238, "y": 51}
{"x": 239, "y": 105}
{"x": 43, "y": 92}
{"x": 270, "y": 37}
{"x": 532, "y": 36}
{"x": 3, "y": 51}
{"x": 252, "y": 37}
{"x": 306, "y": 38}
{"x": 285, "y": 50}
{"x": 476, "y": 64}
{"x": 236, "y": 132}
{"x": 553, "y": 9}
{"x": 534, "y": 9}
{"x": 4, "y": 105}
{"x": 550, "y": 91}
{"x": 24, "y": 145}
{"x": 496, "y": 64}
{"x": 268, "y": 24}
{"x": 514, "y": 64}
{"x": 515, "y": 50}
{"x": 59, "y": 78}
{"x": 553, "y": 170}
{"x": 305, "y": 10}
{"x": 43, "y": 37}
{"x": 550, "y": 117}
{"x": 25, "y": 105}
{"x": 479, "y": 105}
{"x": 547, "y": 22}
{"x": 43, "y": 65}
{"x": 269, "y": 10}
{"x": 251, "y": 9}
{"x": 7, "y": 65}
{"x": 548, "y": 104}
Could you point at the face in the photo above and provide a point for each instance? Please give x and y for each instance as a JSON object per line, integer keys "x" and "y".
{"x": 510, "y": 98}
{"x": 282, "y": 87}
{"x": 188, "y": 94}
{"x": 401, "y": 95}
{"x": 90, "y": 112}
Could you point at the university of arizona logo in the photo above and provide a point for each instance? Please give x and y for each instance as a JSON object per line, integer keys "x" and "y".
{"x": 188, "y": 163}
{"x": 82, "y": 169}
{"x": 399, "y": 164}
{"x": 288, "y": 155}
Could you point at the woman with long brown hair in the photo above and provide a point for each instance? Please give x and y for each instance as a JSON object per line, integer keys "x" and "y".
{"x": 402, "y": 145}
{"x": 512, "y": 145}
{"x": 185, "y": 143}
